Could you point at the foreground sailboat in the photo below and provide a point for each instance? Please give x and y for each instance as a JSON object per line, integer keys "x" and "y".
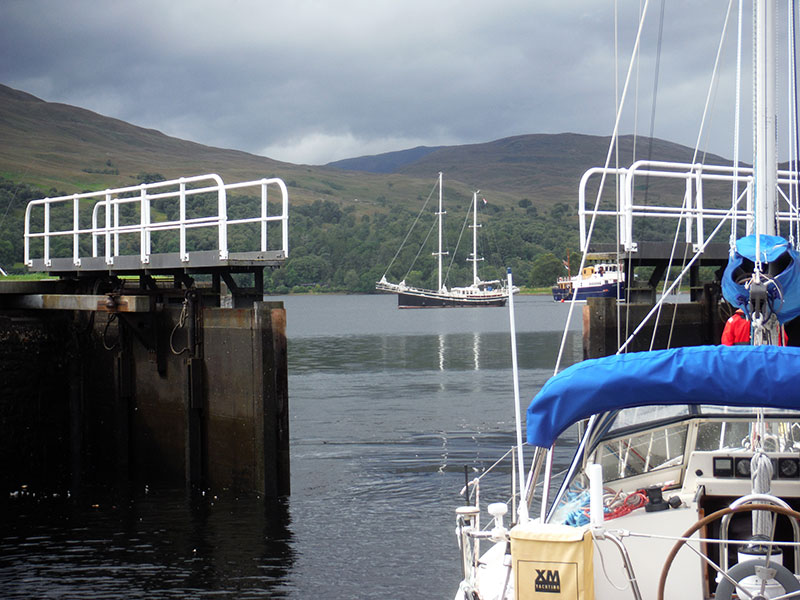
{"x": 479, "y": 293}
{"x": 685, "y": 482}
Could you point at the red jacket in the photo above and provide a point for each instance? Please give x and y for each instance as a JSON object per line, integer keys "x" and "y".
{"x": 737, "y": 330}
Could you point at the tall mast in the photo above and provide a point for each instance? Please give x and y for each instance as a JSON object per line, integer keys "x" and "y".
{"x": 766, "y": 170}
{"x": 474, "y": 256}
{"x": 440, "y": 214}
{"x": 766, "y": 166}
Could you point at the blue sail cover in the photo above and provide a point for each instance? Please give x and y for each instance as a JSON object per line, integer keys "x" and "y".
{"x": 742, "y": 376}
{"x": 784, "y": 293}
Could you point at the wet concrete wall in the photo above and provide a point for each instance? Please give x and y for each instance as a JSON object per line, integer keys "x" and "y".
{"x": 35, "y": 354}
{"x": 683, "y": 324}
{"x": 246, "y": 394}
{"x": 157, "y": 397}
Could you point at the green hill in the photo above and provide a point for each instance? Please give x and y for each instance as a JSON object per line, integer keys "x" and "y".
{"x": 545, "y": 168}
{"x": 345, "y": 225}
{"x": 53, "y": 145}
{"x": 71, "y": 149}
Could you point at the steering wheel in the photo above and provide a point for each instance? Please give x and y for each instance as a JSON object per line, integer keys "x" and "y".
{"x": 735, "y": 574}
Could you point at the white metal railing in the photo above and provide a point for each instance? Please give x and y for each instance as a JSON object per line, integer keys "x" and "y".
{"x": 692, "y": 209}
{"x": 109, "y": 202}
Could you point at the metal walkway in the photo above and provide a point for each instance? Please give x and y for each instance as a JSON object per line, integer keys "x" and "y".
{"x": 703, "y": 200}
{"x": 690, "y": 207}
{"x": 191, "y": 224}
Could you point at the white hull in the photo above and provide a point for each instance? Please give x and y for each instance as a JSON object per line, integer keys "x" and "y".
{"x": 413, "y": 297}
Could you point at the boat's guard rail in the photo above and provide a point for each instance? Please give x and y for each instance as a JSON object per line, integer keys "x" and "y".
{"x": 693, "y": 209}
{"x": 113, "y": 229}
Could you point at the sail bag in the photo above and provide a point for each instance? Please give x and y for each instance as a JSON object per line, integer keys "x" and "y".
{"x": 552, "y": 562}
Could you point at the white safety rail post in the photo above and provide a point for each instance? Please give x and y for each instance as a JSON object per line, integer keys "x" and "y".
{"x": 26, "y": 236}
{"x": 687, "y": 198}
{"x": 284, "y": 218}
{"x": 222, "y": 201}
{"x": 104, "y": 231}
{"x": 582, "y": 208}
{"x": 115, "y": 202}
{"x": 264, "y": 214}
{"x": 47, "y": 232}
{"x": 109, "y": 257}
{"x": 95, "y": 233}
{"x": 698, "y": 182}
{"x": 626, "y": 206}
{"x": 144, "y": 254}
{"x": 182, "y": 217}
{"x": 76, "y": 260}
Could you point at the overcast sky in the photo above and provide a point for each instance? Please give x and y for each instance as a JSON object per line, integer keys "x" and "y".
{"x": 316, "y": 81}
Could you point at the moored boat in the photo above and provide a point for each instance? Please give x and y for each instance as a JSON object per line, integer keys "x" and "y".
{"x": 478, "y": 294}
{"x": 483, "y": 293}
{"x": 601, "y": 280}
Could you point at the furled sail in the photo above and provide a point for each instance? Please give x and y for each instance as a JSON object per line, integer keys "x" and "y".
{"x": 780, "y": 265}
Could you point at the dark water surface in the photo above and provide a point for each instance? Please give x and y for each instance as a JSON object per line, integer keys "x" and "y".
{"x": 387, "y": 406}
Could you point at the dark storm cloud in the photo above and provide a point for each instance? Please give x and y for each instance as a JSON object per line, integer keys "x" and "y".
{"x": 308, "y": 81}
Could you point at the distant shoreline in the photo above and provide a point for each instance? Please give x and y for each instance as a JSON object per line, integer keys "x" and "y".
{"x": 525, "y": 291}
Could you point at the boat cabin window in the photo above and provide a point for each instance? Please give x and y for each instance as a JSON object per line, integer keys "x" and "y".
{"x": 641, "y": 415}
{"x": 624, "y": 457}
{"x": 779, "y": 435}
{"x": 643, "y": 452}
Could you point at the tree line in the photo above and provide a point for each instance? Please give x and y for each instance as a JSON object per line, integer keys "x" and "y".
{"x": 336, "y": 248}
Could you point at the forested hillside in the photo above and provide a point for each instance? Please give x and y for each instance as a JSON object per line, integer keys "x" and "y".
{"x": 335, "y": 248}
{"x": 345, "y": 225}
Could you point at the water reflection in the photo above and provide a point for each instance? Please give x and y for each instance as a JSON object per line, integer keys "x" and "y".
{"x": 476, "y": 350}
{"x": 457, "y": 351}
{"x": 150, "y": 545}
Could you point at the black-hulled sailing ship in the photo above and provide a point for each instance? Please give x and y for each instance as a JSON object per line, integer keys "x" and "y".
{"x": 479, "y": 293}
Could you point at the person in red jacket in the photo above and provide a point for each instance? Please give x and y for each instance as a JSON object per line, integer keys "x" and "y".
{"x": 737, "y": 330}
